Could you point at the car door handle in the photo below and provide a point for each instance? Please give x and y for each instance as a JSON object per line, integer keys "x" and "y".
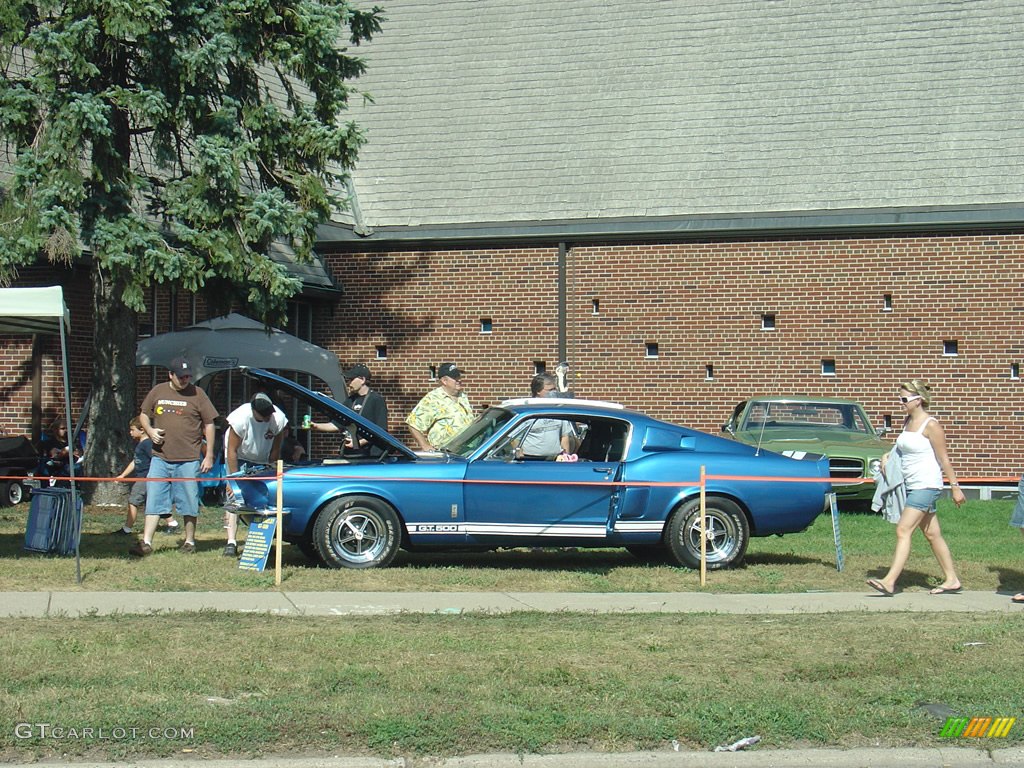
{"x": 603, "y": 470}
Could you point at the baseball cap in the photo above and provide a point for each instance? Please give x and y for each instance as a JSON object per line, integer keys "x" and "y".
{"x": 262, "y": 404}
{"x": 449, "y": 369}
{"x": 356, "y": 370}
{"x": 180, "y": 367}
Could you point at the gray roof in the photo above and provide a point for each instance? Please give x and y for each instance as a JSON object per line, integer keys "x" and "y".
{"x": 315, "y": 276}
{"x": 495, "y": 112}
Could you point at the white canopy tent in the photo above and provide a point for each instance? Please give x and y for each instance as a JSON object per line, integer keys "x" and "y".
{"x": 234, "y": 340}
{"x": 42, "y": 310}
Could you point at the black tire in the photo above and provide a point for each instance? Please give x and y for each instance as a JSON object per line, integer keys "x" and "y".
{"x": 357, "y": 532}
{"x": 11, "y": 493}
{"x": 727, "y": 534}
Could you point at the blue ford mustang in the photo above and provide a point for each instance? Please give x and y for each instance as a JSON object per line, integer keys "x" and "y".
{"x": 632, "y": 485}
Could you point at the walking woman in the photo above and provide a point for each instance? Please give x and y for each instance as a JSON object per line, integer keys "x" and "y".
{"x": 921, "y": 450}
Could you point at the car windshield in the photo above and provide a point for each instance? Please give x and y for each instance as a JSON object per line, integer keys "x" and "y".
{"x": 471, "y": 438}
{"x": 839, "y": 416}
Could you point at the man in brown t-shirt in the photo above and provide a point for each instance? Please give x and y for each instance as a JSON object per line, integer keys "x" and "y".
{"x": 177, "y": 416}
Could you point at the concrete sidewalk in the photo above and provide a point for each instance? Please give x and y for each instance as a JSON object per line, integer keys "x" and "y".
{"x": 82, "y": 603}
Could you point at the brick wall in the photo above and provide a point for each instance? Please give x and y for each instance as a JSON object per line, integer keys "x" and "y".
{"x": 426, "y": 308}
{"x": 704, "y": 304}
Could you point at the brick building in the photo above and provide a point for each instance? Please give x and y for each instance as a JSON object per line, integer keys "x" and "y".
{"x": 691, "y": 203}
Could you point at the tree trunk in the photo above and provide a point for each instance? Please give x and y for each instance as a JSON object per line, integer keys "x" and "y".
{"x": 113, "y": 406}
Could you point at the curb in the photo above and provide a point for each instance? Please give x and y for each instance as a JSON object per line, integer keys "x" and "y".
{"x": 83, "y": 603}
{"x": 874, "y": 757}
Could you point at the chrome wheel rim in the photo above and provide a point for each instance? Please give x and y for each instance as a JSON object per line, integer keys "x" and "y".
{"x": 720, "y": 533}
{"x": 359, "y": 536}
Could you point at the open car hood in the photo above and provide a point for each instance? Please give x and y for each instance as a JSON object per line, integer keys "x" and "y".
{"x": 323, "y": 403}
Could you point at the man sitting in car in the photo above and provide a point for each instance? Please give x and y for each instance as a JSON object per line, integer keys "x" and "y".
{"x": 546, "y": 439}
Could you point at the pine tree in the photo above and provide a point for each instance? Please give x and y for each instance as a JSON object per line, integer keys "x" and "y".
{"x": 171, "y": 142}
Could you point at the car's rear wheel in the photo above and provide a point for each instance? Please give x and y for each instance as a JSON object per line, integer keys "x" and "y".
{"x": 11, "y": 492}
{"x": 357, "y": 532}
{"x": 726, "y": 533}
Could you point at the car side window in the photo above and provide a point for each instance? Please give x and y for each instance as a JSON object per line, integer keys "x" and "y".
{"x": 604, "y": 440}
{"x": 737, "y": 413}
{"x": 506, "y": 449}
{"x": 540, "y": 438}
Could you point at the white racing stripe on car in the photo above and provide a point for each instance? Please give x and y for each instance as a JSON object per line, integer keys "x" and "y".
{"x": 523, "y": 529}
{"x": 639, "y": 526}
{"x": 508, "y": 529}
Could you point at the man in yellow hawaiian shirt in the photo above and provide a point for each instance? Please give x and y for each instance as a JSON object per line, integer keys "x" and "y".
{"x": 443, "y": 412}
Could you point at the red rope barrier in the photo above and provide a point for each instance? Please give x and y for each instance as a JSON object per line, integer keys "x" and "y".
{"x": 376, "y": 478}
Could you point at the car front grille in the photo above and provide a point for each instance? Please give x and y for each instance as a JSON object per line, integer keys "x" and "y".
{"x": 846, "y": 467}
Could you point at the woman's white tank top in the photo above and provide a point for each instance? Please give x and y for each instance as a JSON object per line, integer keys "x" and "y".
{"x": 920, "y": 467}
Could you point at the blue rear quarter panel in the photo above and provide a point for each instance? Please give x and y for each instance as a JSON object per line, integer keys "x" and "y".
{"x": 776, "y": 505}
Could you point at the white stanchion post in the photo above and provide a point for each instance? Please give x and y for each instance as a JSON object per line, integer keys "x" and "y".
{"x": 279, "y": 539}
{"x": 703, "y": 530}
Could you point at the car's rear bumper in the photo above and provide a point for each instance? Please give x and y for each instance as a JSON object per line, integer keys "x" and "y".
{"x": 861, "y": 490}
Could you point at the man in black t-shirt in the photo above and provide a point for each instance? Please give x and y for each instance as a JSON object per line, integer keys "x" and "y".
{"x": 367, "y": 403}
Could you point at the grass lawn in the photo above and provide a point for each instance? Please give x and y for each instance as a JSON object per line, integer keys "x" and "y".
{"x": 988, "y": 553}
{"x": 213, "y": 684}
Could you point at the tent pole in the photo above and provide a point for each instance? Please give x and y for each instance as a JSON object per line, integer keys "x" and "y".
{"x": 71, "y": 450}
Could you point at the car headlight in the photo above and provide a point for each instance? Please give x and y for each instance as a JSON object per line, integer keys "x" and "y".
{"x": 874, "y": 466}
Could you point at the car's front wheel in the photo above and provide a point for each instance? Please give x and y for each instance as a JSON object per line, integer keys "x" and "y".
{"x": 357, "y": 532}
{"x": 726, "y": 533}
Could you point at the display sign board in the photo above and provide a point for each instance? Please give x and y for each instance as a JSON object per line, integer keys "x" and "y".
{"x": 258, "y": 543}
{"x": 835, "y": 531}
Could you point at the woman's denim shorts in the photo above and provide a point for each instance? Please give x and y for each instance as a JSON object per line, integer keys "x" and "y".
{"x": 923, "y": 498}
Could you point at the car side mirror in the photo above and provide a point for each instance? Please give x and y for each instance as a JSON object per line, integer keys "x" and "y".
{"x": 727, "y": 427}
{"x": 883, "y": 431}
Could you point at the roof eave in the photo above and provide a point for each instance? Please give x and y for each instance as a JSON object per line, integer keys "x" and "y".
{"x": 874, "y": 221}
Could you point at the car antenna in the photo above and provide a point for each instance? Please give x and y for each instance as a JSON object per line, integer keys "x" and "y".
{"x": 764, "y": 420}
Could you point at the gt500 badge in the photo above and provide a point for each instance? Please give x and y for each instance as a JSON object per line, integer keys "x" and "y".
{"x": 436, "y": 528}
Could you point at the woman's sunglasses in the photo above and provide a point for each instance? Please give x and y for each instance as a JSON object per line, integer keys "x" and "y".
{"x": 910, "y": 399}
